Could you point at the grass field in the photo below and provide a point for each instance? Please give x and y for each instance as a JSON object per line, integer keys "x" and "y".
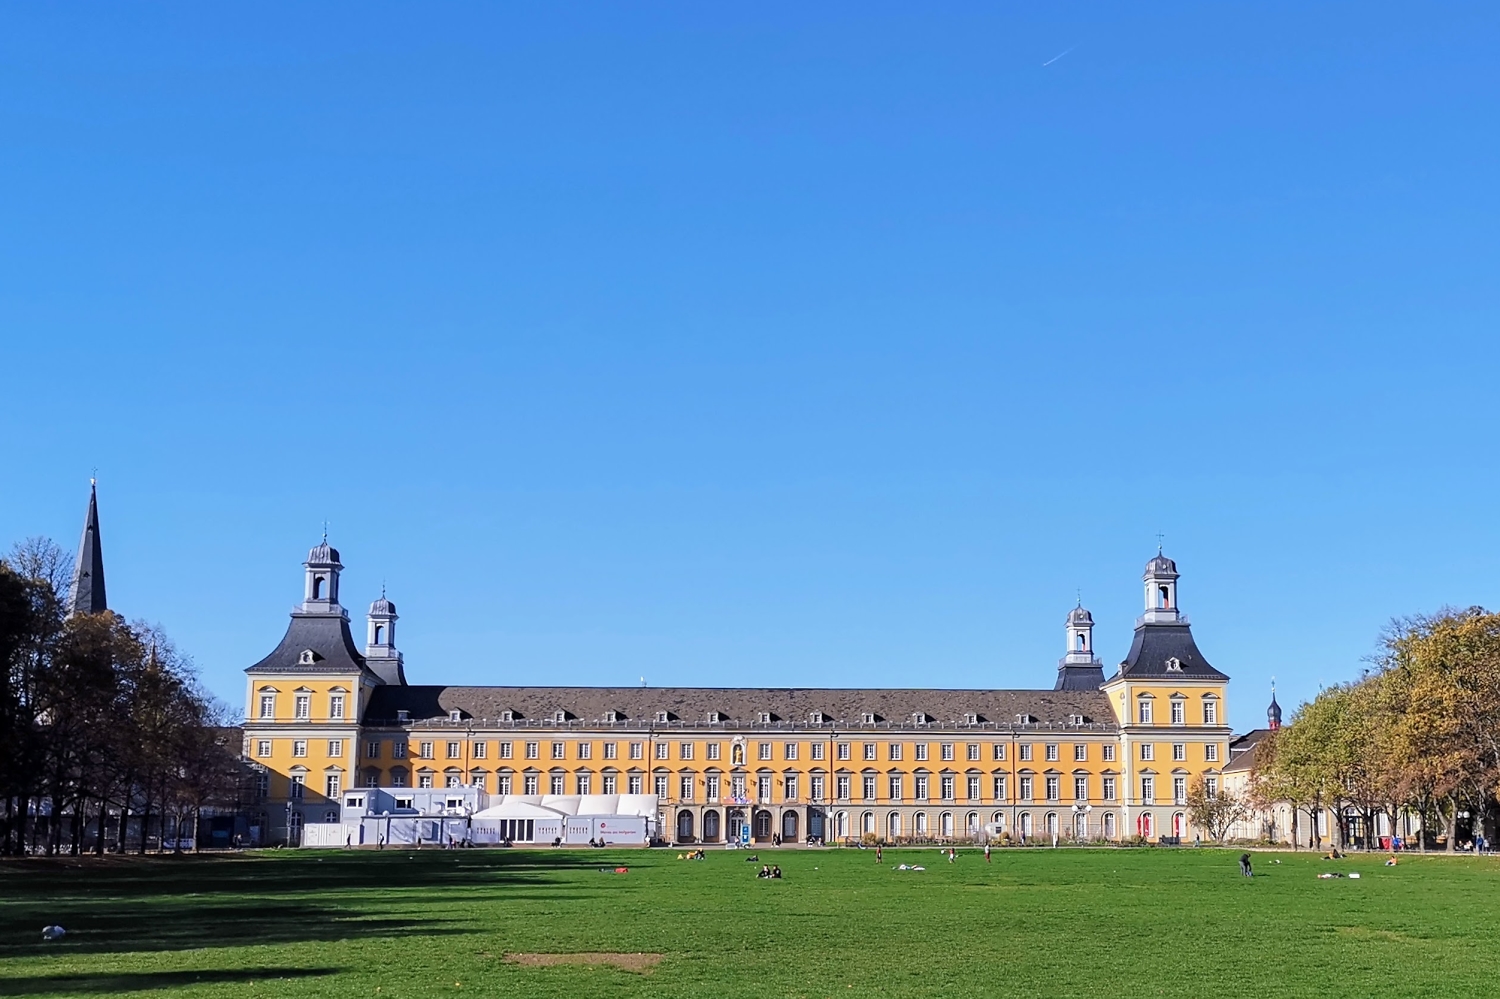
{"x": 1117, "y": 923}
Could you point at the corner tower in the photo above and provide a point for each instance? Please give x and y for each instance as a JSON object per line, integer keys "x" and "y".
{"x": 381, "y": 654}
{"x": 1079, "y": 668}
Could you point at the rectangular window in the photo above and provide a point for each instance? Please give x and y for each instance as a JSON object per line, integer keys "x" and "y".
{"x": 559, "y": 752}
{"x": 971, "y": 752}
{"x": 817, "y": 750}
{"x": 372, "y": 749}
{"x": 1210, "y": 712}
{"x": 299, "y": 747}
{"x": 478, "y": 750}
{"x": 1026, "y": 788}
{"x": 610, "y": 784}
{"x": 1148, "y": 751}
{"x": 336, "y": 706}
{"x": 817, "y": 788}
{"x": 1080, "y": 788}
{"x": 634, "y": 783}
{"x": 263, "y": 747}
{"x": 1211, "y": 752}
{"x": 502, "y": 784}
{"x": 1107, "y": 752}
{"x": 335, "y": 747}
{"x": 425, "y": 750}
{"x": 637, "y": 750}
{"x": 711, "y": 787}
{"x": 973, "y": 788}
{"x": 869, "y": 750}
{"x": 686, "y": 789}
{"x": 1148, "y": 790}
{"x": 845, "y": 751}
{"x": 685, "y": 751}
{"x": 1025, "y": 751}
{"x": 1109, "y": 789}
{"x": 661, "y": 787}
{"x": 921, "y": 748}
{"x": 895, "y": 788}
{"x": 1144, "y": 709}
{"x": 1211, "y": 786}
{"x": 921, "y": 783}
{"x": 1179, "y": 751}
{"x": 298, "y": 785}
{"x": 585, "y": 784}
{"x": 609, "y": 751}
{"x": 663, "y": 750}
{"x": 762, "y": 750}
{"x": 1179, "y": 712}
{"x": 331, "y": 785}
{"x": 268, "y": 705}
{"x": 1052, "y": 752}
{"x": 945, "y": 787}
{"x": 946, "y": 750}
{"x": 557, "y": 783}
{"x": 455, "y": 750}
{"x": 1179, "y": 790}
{"x": 424, "y": 780}
{"x": 262, "y": 785}
{"x": 1000, "y": 788}
{"x": 999, "y": 751}
{"x": 585, "y": 750}
{"x": 841, "y": 786}
{"x": 712, "y": 749}
{"x": 790, "y": 749}
{"x": 1054, "y": 792}
{"x": 791, "y": 787}
{"x": 868, "y": 788}
{"x": 893, "y": 751}
{"x": 398, "y": 750}
{"x": 763, "y": 789}
{"x": 304, "y": 706}
{"x": 505, "y": 752}
{"x": 1080, "y": 752}
{"x": 530, "y": 784}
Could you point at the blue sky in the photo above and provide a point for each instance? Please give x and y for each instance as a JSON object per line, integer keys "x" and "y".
{"x": 786, "y": 344}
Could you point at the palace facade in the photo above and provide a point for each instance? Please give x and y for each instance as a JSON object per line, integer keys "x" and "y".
{"x": 1093, "y": 758}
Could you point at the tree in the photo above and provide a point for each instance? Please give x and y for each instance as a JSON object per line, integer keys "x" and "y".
{"x": 1215, "y": 809}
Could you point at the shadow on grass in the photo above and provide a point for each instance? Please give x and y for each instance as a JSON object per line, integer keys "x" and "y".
{"x": 140, "y": 981}
{"x": 120, "y": 905}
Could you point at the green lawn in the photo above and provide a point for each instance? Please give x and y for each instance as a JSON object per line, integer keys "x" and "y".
{"x": 1038, "y": 922}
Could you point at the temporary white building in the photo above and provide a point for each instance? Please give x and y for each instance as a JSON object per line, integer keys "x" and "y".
{"x": 625, "y": 819}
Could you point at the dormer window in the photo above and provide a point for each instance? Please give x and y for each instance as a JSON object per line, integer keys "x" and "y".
{"x": 1075, "y": 719}
{"x": 403, "y": 715}
{"x": 970, "y": 718}
{"x": 1025, "y": 719}
{"x": 867, "y": 718}
{"x": 455, "y": 715}
{"x": 507, "y": 715}
{"x": 764, "y": 717}
{"x": 661, "y": 717}
{"x": 560, "y": 717}
{"x": 307, "y": 658}
{"x": 1174, "y": 665}
{"x": 919, "y": 717}
{"x": 815, "y": 718}
{"x": 611, "y": 716}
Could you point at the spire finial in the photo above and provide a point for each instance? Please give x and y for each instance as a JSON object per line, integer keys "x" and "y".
{"x": 325, "y": 531}
{"x": 94, "y": 477}
{"x": 1159, "y": 538}
{"x": 382, "y": 588}
{"x": 1080, "y": 596}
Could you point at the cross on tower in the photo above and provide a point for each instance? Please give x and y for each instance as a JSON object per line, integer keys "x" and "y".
{"x": 1159, "y": 537}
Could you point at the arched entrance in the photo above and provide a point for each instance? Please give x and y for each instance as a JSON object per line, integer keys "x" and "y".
{"x": 684, "y": 826}
{"x": 867, "y": 823}
{"x": 710, "y": 826}
{"x": 945, "y": 825}
{"x": 1179, "y": 825}
{"x": 1145, "y": 825}
{"x": 762, "y": 825}
{"x": 294, "y": 829}
{"x": 1080, "y": 826}
{"x": 1025, "y": 825}
{"x": 734, "y": 822}
{"x": 893, "y": 826}
{"x": 1109, "y": 825}
{"x": 1052, "y": 825}
{"x": 817, "y": 823}
{"x": 841, "y": 825}
{"x": 789, "y": 827}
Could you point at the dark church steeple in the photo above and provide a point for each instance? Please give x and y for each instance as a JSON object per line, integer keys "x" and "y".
{"x": 1273, "y": 712}
{"x": 87, "y": 595}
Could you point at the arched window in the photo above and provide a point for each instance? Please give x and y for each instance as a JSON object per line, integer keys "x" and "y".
{"x": 1025, "y": 824}
{"x": 893, "y": 825}
{"x": 1080, "y": 641}
{"x": 317, "y": 588}
{"x": 684, "y": 826}
{"x": 1109, "y": 825}
{"x": 867, "y": 823}
{"x": 380, "y": 634}
{"x": 1163, "y": 597}
{"x": 710, "y": 826}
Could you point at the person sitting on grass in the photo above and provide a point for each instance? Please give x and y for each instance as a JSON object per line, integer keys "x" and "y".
{"x": 776, "y": 873}
{"x": 765, "y": 872}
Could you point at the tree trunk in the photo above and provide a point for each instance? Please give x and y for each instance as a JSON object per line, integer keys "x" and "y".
{"x": 103, "y": 819}
{"x": 1452, "y": 818}
{"x": 145, "y": 823}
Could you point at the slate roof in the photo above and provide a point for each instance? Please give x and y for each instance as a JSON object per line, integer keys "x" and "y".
{"x": 1244, "y": 751}
{"x": 1154, "y": 644}
{"x": 326, "y": 634}
{"x": 741, "y": 706}
{"x": 1078, "y": 676}
{"x": 87, "y": 593}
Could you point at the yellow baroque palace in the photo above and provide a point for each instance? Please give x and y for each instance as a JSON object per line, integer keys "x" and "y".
{"x": 1091, "y": 759}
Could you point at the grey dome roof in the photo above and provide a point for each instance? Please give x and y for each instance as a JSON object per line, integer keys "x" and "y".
{"x": 383, "y": 606}
{"x": 1161, "y": 566}
{"x": 1080, "y": 615}
{"x": 323, "y": 554}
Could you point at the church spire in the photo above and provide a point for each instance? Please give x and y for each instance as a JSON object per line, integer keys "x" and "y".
{"x": 87, "y": 595}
